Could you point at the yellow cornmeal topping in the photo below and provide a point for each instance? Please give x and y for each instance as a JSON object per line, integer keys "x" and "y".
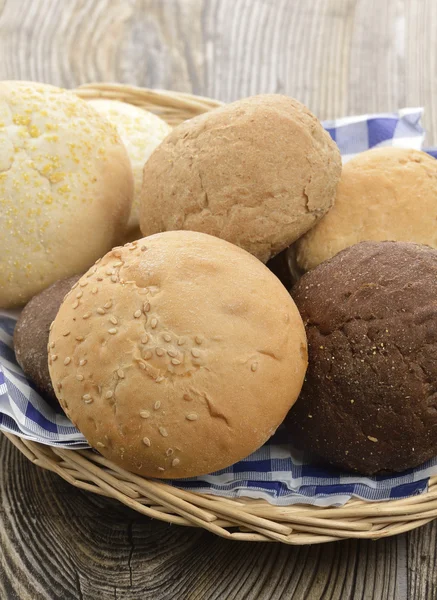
{"x": 50, "y": 145}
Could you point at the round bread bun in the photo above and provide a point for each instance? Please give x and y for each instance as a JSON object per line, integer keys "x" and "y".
{"x": 383, "y": 194}
{"x": 369, "y": 401}
{"x": 258, "y": 172}
{"x": 31, "y": 335}
{"x": 182, "y": 355}
{"x": 66, "y": 188}
{"x": 141, "y": 132}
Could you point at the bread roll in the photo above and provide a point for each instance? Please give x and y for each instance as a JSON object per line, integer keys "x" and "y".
{"x": 383, "y": 194}
{"x": 258, "y": 173}
{"x": 66, "y": 188}
{"x": 369, "y": 401}
{"x": 31, "y": 335}
{"x": 177, "y": 355}
{"x": 141, "y": 132}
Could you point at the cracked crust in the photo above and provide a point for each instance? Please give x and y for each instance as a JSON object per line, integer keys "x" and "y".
{"x": 65, "y": 188}
{"x": 369, "y": 401}
{"x": 189, "y": 350}
{"x": 383, "y": 194}
{"x": 259, "y": 173}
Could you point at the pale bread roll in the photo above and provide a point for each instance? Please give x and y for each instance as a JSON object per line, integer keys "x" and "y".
{"x": 141, "y": 132}
{"x": 177, "y": 355}
{"x": 258, "y": 172}
{"x": 383, "y": 194}
{"x": 66, "y": 188}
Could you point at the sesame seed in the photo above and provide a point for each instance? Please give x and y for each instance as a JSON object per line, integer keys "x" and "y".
{"x": 116, "y": 253}
{"x": 100, "y": 445}
{"x": 137, "y": 314}
{"x": 114, "y": 278}
{"x": 163, "y": 431}
{"x": 161, "y": 469}
{"x": 198, "y": 339}
{"x": 113, "y": 330}
{"x": 145, "y": 339}
{"x": 52, "y": 344}
{"x": 51, "y": 325}
{"x": 86, "y": 315}
{"x": 146, "y": 441}
{"x": 87, "y": 398}
{"x": 147, "y": 355}
{"x": 254, "y": 366}
{"x": 54, "y": 357}
{"x": 73, "y": 287}
{"x": 75, "y": 304}
{"x": 59, "y": 386}
{"x": 195, "y": 352}
{"x": 67, "y": 360}
{"x": 146, "y": 307}
{"x": 79, "y": 338}
{"x": 79, "y": 377}
{"x": 153, "y": 322}
{"x": 83, "y": 283}
{"x": 192, "y": 417}
{"x": 172, "y": 353}
{"x": 113, "y": 320}
{"x": 66, "y": 333}
{"x": 120, "y": 373}
{"x": 101, "y": 311}
{"x": 372, "y": 439}
{"x": 83, "y": 362}
{"x": 175, "y": 361}
{"x": 110, "y": 272}
{"x": 90, "y": 274}
{"x": 175, "y": 462}
{"x": 99, "y": 278}
{"x": 79, "y": 294}
{"x": 108, "y": 304}
{"x": 159, "y": 379}
{"x": 144, "y": 414}
{"x": 157, "y": 405}
{"x": 109, "y": 394}
{"x": 181, "y": 341}
{"x": 118, "y": 264}
{"x": 159, "y": 352}
{"x": 142, "y": 365}
{"x": 167, "y": 337}
{"x": 94, "y": 290}
{"x": 97, "y": 261}
{"x": 143, "y": 248}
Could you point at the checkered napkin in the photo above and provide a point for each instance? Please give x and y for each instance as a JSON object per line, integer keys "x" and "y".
{"x": 276, "y": 472}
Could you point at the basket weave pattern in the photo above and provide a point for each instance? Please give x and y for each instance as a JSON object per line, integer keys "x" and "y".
{"x": 238, "y": 519}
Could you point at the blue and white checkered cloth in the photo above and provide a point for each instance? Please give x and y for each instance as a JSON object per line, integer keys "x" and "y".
{"x": 276, "y": 472}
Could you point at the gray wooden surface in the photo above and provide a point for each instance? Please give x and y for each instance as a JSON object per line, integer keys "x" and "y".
{"x": 339, "y": 57}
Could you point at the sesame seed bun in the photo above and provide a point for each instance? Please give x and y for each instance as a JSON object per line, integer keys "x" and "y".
{"x": 383, "y": 194}
{"x": 258, "y": 173}
{"x": 141, "y": 132}
{"x": 66, "y": 188}
{"x": 182, "y": 356}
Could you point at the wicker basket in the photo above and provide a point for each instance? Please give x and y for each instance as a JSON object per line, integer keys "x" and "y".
{"x": 237, "y": 519}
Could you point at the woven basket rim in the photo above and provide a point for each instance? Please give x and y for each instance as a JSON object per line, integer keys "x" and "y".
{"x": 241, "y": 519}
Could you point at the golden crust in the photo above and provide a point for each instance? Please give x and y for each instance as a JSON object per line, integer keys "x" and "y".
{"x": 383, "y": 194}
{"x": 177, "y": 355}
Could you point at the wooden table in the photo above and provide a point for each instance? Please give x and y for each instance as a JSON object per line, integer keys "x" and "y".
{"x": 339, "y": 57}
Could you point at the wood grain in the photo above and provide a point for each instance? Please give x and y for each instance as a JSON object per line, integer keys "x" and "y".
{"x": 339, "y": 57}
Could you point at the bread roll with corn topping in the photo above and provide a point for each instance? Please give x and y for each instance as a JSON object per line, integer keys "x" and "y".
{"x": 66, "y": 188}
{"x": 177, "y": 355}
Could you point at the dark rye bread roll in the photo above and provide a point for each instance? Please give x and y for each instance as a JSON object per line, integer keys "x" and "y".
{"x": 369, "y": 401}
{"x": 31, "y": 335}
